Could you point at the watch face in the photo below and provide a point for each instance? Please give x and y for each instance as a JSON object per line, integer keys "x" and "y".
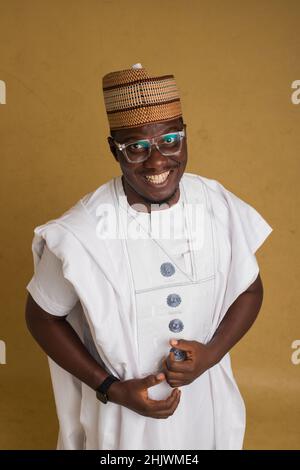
{"x": 101, "y": 396}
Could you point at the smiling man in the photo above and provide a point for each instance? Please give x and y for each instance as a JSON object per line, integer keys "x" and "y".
{"x": 154, "y": 179}
{"x": 138, "y": 327}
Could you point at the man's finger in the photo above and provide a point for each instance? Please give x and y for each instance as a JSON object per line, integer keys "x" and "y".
{"x": 178, "y": 366}
{"x": 183, "y": 344}
{"x": 163, "y": 405}
{"x": 175, "y": 375}
{"x": 176, "y": 384}
{"x": 170, "y": 407}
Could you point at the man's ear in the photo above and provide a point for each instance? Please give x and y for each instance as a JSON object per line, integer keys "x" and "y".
{"x": 113, "y": 148}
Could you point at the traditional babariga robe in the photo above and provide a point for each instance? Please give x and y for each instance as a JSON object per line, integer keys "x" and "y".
{"x": 128, "y": 291}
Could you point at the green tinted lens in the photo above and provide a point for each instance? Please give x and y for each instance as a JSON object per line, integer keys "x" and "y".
{"x": 138, "y": 150}
{"x": 169, "y": 143}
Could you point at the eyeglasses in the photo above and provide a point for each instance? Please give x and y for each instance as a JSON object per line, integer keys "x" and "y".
{"x": 140, "y": 150}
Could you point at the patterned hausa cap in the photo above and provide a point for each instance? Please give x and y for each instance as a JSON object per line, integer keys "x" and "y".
{"x": 133, "y": 97}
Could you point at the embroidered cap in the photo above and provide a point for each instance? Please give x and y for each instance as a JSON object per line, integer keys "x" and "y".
{"x": 134, "y": 97}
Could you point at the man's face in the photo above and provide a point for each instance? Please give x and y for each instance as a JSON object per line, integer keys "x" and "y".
{"x": 137, "y": 186}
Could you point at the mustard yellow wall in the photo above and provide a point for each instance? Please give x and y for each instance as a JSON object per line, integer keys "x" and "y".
{"x": 234, "y": 62}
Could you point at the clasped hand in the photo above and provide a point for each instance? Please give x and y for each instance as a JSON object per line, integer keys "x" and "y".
{"x": 133, "y": 393}
{"x": 199, "y": 358}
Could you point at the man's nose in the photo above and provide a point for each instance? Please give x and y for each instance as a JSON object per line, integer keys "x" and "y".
{"x": 156, "y": 159}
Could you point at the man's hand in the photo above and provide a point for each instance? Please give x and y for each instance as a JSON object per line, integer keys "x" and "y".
{"x": 199, "y": 358}
{"x": 133, "y": 394}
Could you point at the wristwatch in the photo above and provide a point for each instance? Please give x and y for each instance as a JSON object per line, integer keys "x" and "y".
{"x": 101, "y": 391}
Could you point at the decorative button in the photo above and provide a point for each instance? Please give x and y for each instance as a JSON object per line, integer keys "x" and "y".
{"x": 176, "y": 325}
{"x": 179, "y": 354}
{"x": 167, "y": 269}
{"x": 173, "y": 300}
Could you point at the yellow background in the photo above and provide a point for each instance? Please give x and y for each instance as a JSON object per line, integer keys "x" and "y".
{"x": 234, "y": 62}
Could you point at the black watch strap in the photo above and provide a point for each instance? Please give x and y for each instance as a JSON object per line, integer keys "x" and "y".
{"x": 107, "y": 383}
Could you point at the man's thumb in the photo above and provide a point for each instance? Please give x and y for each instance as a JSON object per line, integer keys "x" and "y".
{"x": 153, "y": 379}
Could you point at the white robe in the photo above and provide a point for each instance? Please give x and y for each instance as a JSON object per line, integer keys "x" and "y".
{"x": 105, "y": 318}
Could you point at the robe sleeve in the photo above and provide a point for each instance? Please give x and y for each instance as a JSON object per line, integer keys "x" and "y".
{"x": 48, "y": 286}
{"x": 246, "y": 230}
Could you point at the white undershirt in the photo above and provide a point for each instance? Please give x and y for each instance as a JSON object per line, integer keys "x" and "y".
{"x": 166, "y": 225}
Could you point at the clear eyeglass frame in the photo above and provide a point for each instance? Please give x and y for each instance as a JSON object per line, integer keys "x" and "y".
{"x": 152, "y": 141}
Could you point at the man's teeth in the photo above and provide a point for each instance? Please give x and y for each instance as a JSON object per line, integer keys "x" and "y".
{"x": 157, "y": 179}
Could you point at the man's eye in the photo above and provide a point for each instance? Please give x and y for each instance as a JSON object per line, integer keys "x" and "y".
{"x": 169, "y": 138}
{"x": 138, "y": 145}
